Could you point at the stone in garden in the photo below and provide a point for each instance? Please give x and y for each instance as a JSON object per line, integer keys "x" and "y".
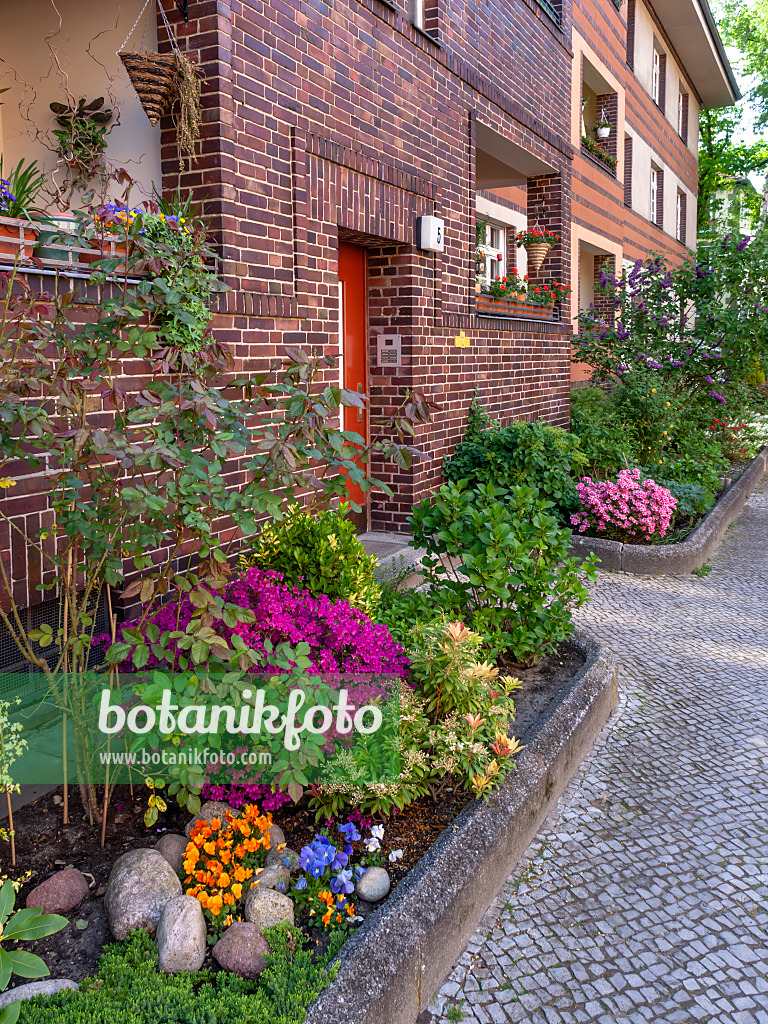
{"x": 181, "y": 936}
{"x": 60, "y": 893}
{"x": 139, "y": 886}
{"x": 242, "y": 949}
{"x": 295, "y": 859}
{"x": 36, "y": 988}
{"x": 271, "y": 877}
{"x": 172, "y": 848}
{"x": 373, "y": 886}
{"x": 211, "y": 809}
{"x": 266, "y": 907}
{"x": 275, "y": 856}
{"x": 276, "y": 836}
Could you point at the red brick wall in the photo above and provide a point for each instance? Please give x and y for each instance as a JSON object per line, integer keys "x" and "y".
{"x": 321, "y": 119}
{"x": 346, "y": 118}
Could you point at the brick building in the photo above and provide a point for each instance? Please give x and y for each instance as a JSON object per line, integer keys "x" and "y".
{"x": 650, "y": 67}
{"x": 329, "y": 129}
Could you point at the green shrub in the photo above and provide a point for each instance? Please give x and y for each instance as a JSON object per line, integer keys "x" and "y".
{"x": 128, "y": 988}
{"x": 608, "y": 440}
{"x": 320, "y": 552}
{"x": 501, "y": 557}
{"x": 402, "y": 611}
{"x": 453, "y": 728}
{"x": 695, "y": 484}
{"x": 531, "y": 454}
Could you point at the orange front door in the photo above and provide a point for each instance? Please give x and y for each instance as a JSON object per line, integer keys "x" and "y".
{"x": 353, "y": 348}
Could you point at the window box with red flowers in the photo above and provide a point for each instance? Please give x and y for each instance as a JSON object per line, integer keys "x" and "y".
{"x": 599, "y": 153}
{"x": 512, "y": 297}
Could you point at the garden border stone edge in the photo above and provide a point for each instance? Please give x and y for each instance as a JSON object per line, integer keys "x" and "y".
{"x": 687, "y": 555}
{"x": 390, "y": 968}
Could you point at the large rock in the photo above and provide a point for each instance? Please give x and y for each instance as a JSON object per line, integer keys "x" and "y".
{"x": 373, "y": 886}
{"x": 181, "y": 936}
{"x": 276, "y": 876}
{"x": 60, "y": 893}
{"x": 266, "y": 907}
{"x": 172, "y": 848}
{"x": 242, "y": 949}
{"x": 139, "y": 886}
{"x": 36, "y": 988}
{"x": 211, "y": 809}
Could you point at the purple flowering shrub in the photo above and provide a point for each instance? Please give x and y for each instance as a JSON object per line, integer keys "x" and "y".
{"x": 237, "y": 794}
{"x": 341, "y": 638}
{"x": 628, "y": 510}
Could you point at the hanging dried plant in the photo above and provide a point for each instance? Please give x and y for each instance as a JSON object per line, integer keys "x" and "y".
{"x": 189, "y": 116}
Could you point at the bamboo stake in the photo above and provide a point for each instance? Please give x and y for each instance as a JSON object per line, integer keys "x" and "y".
{"x": 10, "y": 823}
{"x": 66, "y": 669}
{"x": 113, "y": 624}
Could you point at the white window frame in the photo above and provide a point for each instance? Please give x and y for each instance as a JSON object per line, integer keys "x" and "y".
{"x": 654, "y": 195}
{"x": 494, "y": 267}
{"x": 416, "y": 13}
{"x": 679, "y": 216}
{"x": 656, "y": 76}
{"x": 680, "y": 108}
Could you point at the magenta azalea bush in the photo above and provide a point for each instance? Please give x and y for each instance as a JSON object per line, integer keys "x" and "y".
{"x": 238, "y": 793}
{"x": 625, "y": 510}
{"x": 341, "y": 638}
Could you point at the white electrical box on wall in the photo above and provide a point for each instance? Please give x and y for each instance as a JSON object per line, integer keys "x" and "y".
{"x": 389, "y": 350}
{"x": 430, "y": 234}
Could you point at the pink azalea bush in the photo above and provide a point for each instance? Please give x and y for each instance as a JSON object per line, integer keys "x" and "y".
{"x": 629, "y": 508}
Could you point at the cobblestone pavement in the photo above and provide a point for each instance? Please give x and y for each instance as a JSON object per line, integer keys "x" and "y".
{"x": 644, "y": 897}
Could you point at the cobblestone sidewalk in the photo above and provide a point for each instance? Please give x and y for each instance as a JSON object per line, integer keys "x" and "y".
{"x": 645, "y": 896}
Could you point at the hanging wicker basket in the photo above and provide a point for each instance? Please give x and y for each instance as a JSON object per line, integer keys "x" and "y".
{"x": 537, "y": 253}
{"x": 155, "y": 78}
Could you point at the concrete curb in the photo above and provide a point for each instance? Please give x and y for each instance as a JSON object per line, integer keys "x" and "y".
{"x": 395, "y": 962}
{"x": 689, "y": 554}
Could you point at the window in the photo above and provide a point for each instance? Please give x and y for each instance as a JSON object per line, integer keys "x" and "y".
{"x": 424, "y": 16}
{"x": 659, "y": 78}
{"x": 656, "y": 82}
{"x": 494, "y": 250}
{"x": 553, "y": 9}
{"x": 657, "y": 196}
{"x": 654, "y": 195}
{"x": 682, "y": 217}
{"x": 682, "y": 116}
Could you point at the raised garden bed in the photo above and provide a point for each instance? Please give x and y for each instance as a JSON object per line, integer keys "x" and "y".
{"x": 396, "y": 961}
{"x": 686, "y": 555}
{"x": 563, "y": 703}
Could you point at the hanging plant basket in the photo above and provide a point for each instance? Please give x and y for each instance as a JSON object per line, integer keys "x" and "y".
{"x": 155, "y": 78}
{"x": 537, "y": 253}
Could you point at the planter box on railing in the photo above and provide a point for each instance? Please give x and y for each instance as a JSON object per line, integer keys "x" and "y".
{"x": 490, "y": 305}
{"x": 54, "y": 246}
{"x": 17, "y": 238}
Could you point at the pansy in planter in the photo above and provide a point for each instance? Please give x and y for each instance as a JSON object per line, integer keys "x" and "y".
{"x": 173, "y": 246}
{"x": 19, "y": 192}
